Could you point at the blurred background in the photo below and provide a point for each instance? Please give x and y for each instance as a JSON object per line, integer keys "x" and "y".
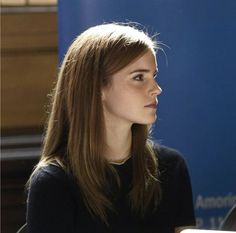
{"x": 197, "y": 109}
{"x": 29, "y": 63}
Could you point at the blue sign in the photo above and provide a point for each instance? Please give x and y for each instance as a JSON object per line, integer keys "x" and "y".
{"x": 197, "y": 110}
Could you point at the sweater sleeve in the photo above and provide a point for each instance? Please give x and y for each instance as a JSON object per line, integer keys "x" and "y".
{"x": 50, "y": 205}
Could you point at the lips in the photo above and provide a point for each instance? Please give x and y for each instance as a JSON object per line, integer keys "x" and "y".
{"x": 152, "y": 105}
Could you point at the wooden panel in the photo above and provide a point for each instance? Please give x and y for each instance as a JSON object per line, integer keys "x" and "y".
{"x": 29, "y": 30}
{"x": 28, "y": 69}
{"x": 28, "y": 2}
{"x": 27, "y": 81}
{"x": 47, "y": 2}
{"x": 12, "y": 2}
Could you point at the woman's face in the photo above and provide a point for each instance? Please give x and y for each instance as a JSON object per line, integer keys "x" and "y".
{"x": 132, "y": 94}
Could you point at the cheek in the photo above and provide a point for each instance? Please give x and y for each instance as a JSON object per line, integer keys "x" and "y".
{"x": 117, "y": 99}
{"x": 125, "y": 97}
{"x": 119, "y": 102}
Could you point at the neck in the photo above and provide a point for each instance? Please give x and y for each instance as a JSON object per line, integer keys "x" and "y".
{"x": 118, "y": 141}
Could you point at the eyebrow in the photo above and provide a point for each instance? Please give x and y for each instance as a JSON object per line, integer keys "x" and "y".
{"x": 144, "y": 71}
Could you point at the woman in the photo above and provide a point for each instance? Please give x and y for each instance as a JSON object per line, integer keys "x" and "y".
{"x": 98, "y": 171}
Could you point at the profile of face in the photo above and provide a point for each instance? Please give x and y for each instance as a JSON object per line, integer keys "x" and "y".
{"x": 132, "y": 94}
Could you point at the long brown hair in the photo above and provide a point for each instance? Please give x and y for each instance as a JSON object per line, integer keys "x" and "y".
{"x": 75, "y": 136}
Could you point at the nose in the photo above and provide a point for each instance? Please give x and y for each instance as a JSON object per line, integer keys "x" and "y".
{"x": 156, "y": 90}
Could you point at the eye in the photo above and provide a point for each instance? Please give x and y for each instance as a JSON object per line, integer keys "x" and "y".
{"x": 155, "y": 75}
{"x": 139, "y": 77}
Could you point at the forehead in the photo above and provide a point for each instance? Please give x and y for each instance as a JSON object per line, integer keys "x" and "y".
{"x": 146, "y": 62}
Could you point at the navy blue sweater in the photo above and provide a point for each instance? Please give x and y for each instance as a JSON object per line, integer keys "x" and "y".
{"x": 55, "y": 204}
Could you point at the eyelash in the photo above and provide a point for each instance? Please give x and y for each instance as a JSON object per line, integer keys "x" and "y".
{"x": 141, "y": 77}
{"x": 138, "y": 77}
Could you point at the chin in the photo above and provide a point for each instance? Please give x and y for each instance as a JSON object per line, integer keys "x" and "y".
{"x": 149, "y": 121}
{"x": 152, "y": 121}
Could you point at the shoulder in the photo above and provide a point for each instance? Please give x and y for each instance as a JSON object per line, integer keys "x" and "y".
{"x": 50, "y": 172}
{"x": 171, "y": 162}
{"x": 50, "y": 177}
{"x": 167, "y": 155}
{"x": 52, "y": 202}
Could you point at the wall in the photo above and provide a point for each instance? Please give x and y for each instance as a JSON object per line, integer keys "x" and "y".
{"x": 28, "y": 67}
{"x": 197, "y": 109}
